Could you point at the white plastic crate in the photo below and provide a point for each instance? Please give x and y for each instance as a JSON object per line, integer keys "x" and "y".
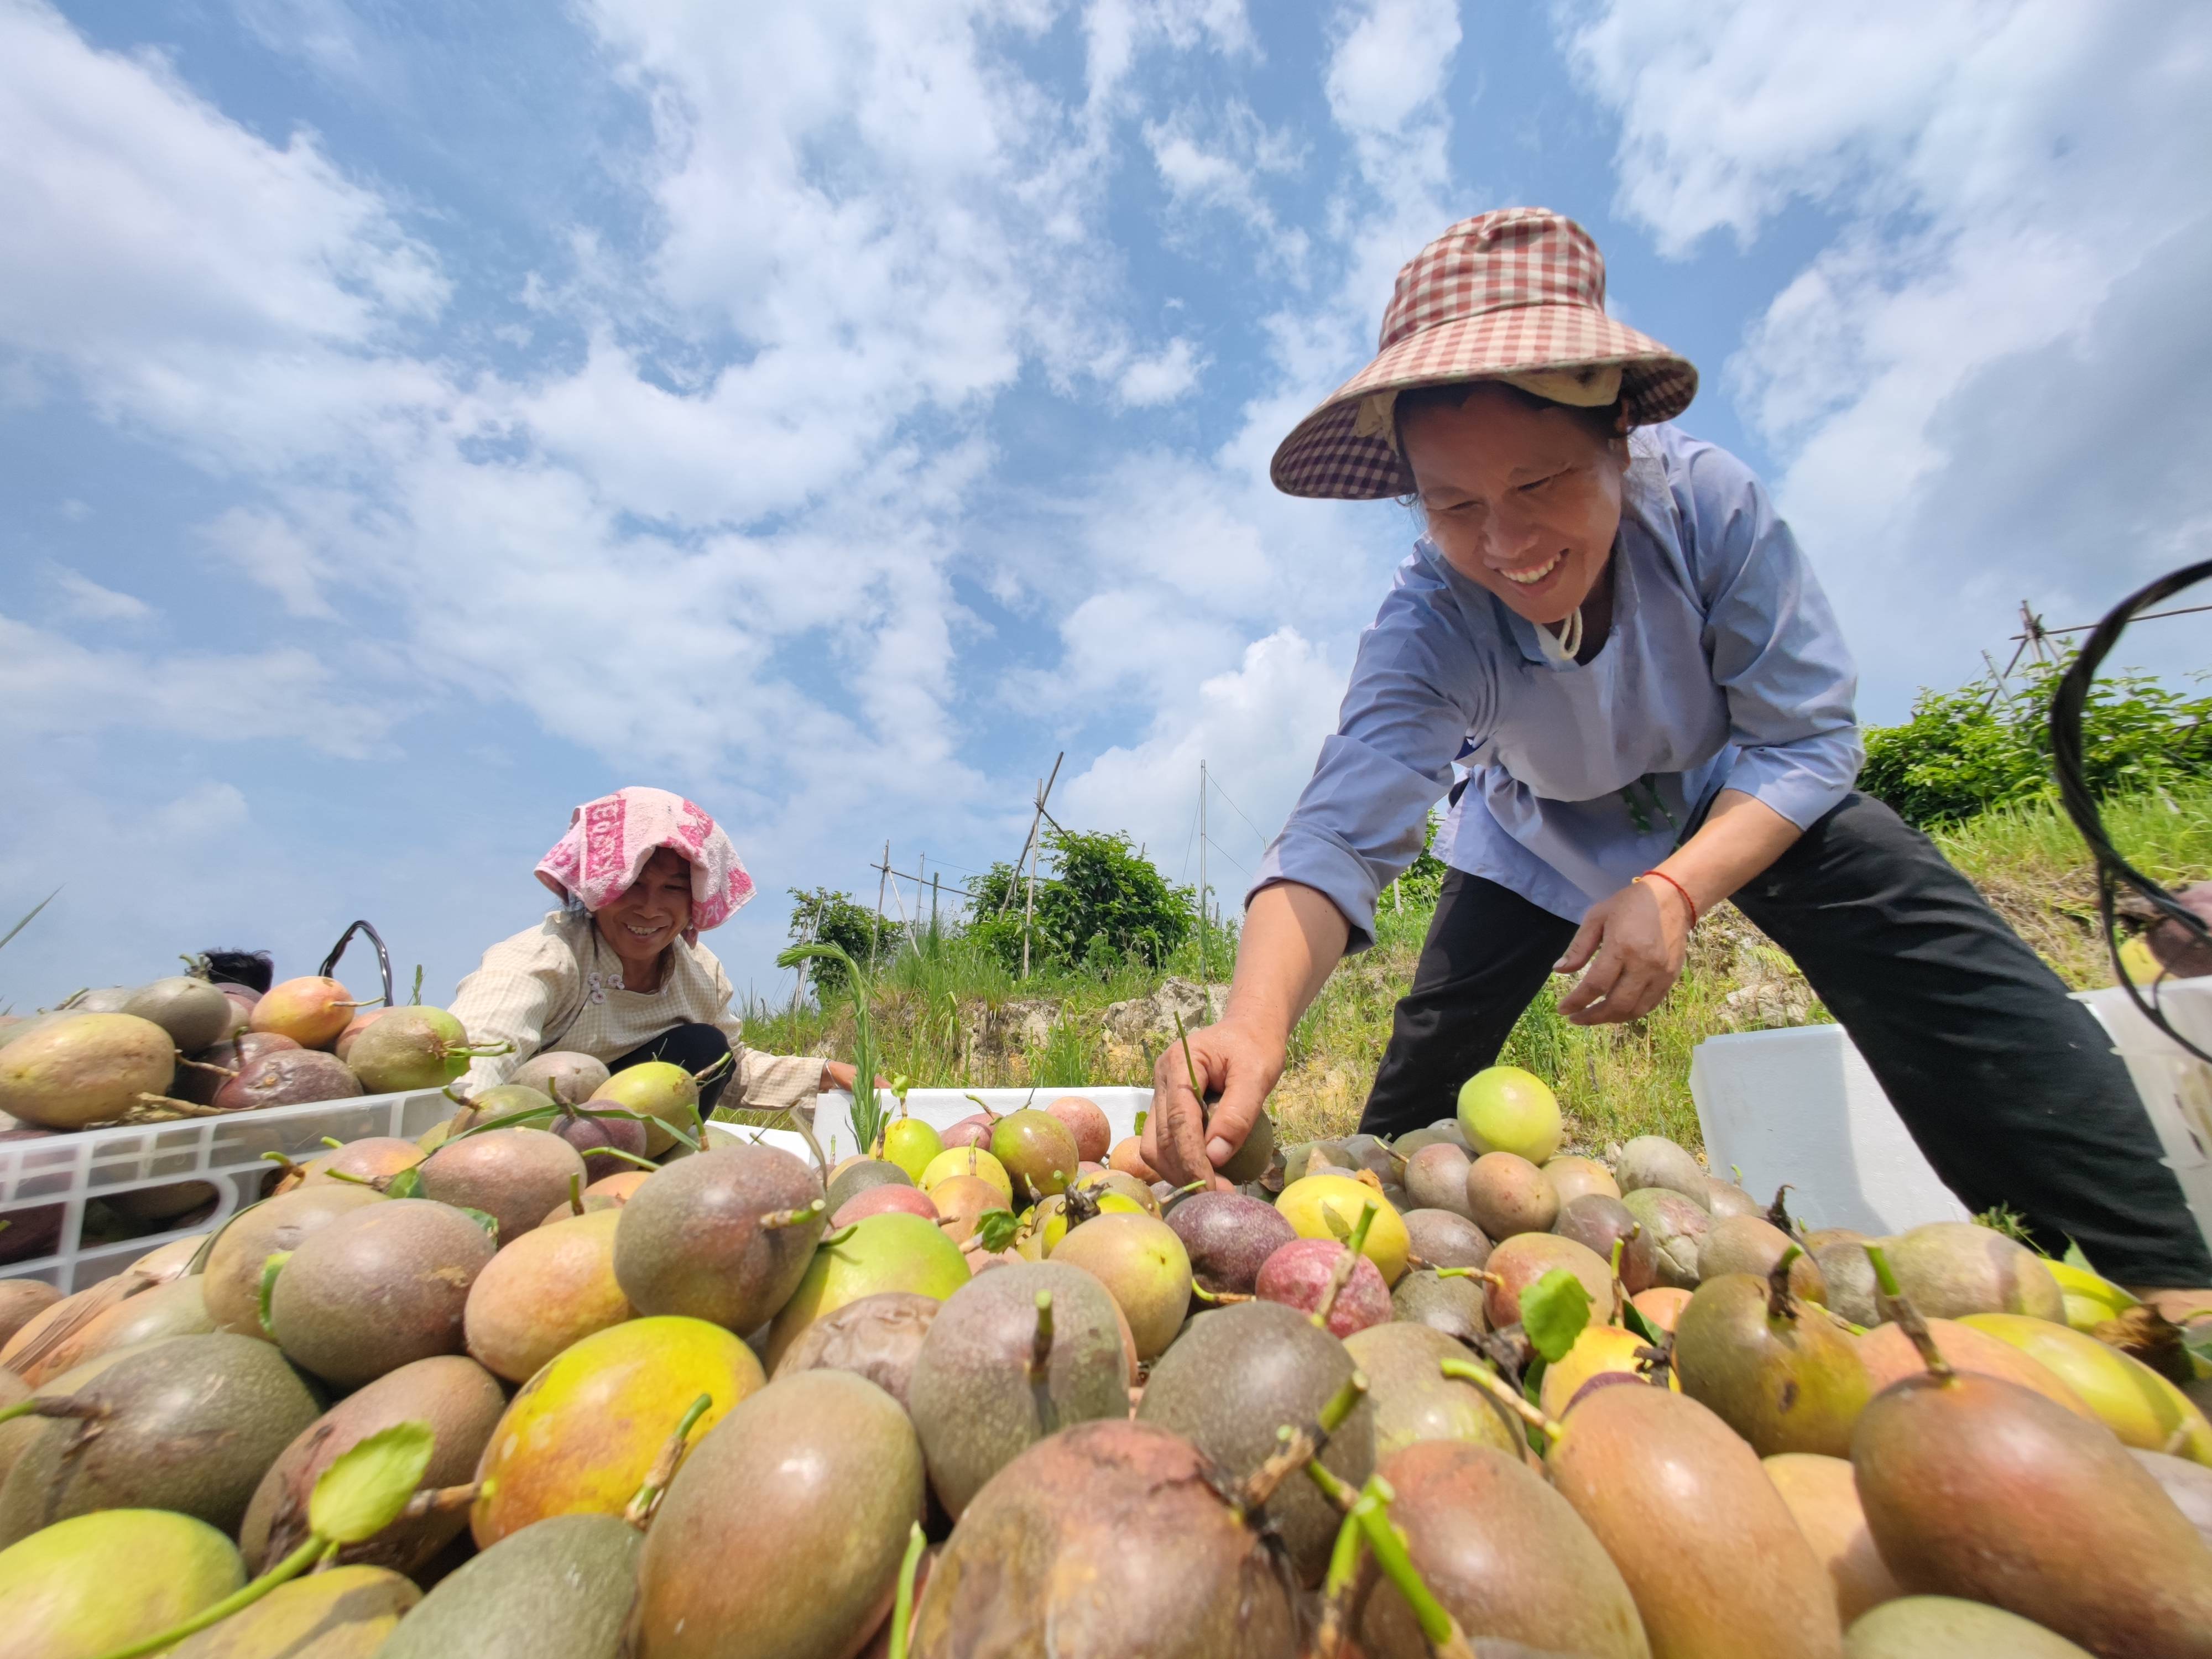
{"x": 943, "y": 1108}
{"x": 1800, "y": 1106}
{"x": 2175, "y": 1085}
{"x": 226, "y": 1153}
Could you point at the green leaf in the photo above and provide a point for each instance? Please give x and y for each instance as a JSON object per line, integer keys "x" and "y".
{"x": 270, "y": 1267}
{"x": 408, "y": 1183}
{"x": 1337, "y": 1225}
{"x": 365, "y": 1489}
{"x": 1553, "y": 1311}
{"x": 997, "y": 1228}
{"x": 2074, "y": 1258}
{"x": 1532, "y": 1380}
{"x": 1141, "y": 1116}
{"x": 1633, "y": 1319}
{"x": 489, "y": 1222}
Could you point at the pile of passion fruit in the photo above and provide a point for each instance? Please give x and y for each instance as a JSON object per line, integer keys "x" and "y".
{"x": 569, "y": 1378}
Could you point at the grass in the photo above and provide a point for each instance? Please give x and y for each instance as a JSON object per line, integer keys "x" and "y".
{"x": 947, "y": 1015}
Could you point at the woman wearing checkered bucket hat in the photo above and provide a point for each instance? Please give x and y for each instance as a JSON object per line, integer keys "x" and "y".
{"x": 1608, "y": 627}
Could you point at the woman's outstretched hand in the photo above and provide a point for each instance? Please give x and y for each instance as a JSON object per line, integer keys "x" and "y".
{"x": 1633, "y": 945}
{"x": 840, "y": 1074}
{"x": 1235, "y": 1067}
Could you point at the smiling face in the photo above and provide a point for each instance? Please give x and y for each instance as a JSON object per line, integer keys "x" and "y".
{"x": 652, "y": 913}
{"x": 1521, "y": 495}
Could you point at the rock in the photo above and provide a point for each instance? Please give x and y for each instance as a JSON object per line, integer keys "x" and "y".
{"x": 1150, "y": 1021}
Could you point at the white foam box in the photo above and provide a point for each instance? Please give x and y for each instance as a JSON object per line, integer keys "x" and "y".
{"x": 1800, "y": 1106}
{"x": 942, "y": 1109}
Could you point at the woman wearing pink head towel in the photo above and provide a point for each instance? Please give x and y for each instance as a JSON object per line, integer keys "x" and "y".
{"x": 618, "y": 972}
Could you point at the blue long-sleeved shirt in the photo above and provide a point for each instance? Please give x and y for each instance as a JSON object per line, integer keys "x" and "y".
{"x": 1723, "y": 669}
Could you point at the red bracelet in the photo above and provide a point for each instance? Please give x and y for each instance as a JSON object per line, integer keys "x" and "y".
{"x": 1678, "y": 887}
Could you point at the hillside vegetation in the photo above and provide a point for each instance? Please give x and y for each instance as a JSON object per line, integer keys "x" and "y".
{"x": 951, "y": 1012}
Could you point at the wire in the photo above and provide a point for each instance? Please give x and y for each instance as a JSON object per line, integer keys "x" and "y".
{"x": 1239, "y": 810}
{"x": 1189, "y": 841}
{"x": 1224, "y": 853}
{"x": 2113, "y": 870}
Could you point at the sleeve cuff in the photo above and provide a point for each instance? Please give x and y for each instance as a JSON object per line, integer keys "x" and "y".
{"x": 1803, "y": 782}
{"x": 1327, "y": 863}
{"x": 771, "y": 1083}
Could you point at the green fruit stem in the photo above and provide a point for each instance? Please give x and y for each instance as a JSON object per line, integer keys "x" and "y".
{"x": 1343, "y": 1403}
{"x": 576, "y": 1195}
{"x": 616, "y": 1151}
{"x": 1489, "y": 1382}
{"x": 504, "y": 1121}
{"x": 1894, "y": 1304}
{"x": 778, "y": 1219}
{"x": 638, "y": 1511}
{"x": 1300, "y": 1448}
{"x": 1333, "y": 1487}
{"x": 903, "y": 1603}
{"x": 1341, "y": 1274}
{"x": 1041, "y": 1343}
{"x": 237, "y": 1602}
{"x": 1388, "y": 1547}
{"x": 271, "y": 1265}
{"x": 1218, "y": 1299}
{"x": 1342, "y": 1577}
{"x": 1190, "y": 1065}
{"x": 66, "y": 1405}
{"x": 1780, "y": 1304}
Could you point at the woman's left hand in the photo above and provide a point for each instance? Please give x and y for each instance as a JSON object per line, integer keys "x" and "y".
{"x": 1633, "y": 943}
{"x": 837, "y": 1074}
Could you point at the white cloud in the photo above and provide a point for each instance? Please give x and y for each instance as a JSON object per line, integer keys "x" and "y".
{"x": 721, "y": 545}
{"x": 137, "y": 212}
{"x": 1996, "y": 330}
{"x": 207, "y": 809}
{"x": 270, "y": 552}
{"x": 85, "y": 597}
{"x": 1162, "y": 378}
{"x": 1257, "y": 726}
{"x": 1115, "y": 31}
{"x": 1206, "y": 552}
{"x": 1223, "y": 161}
{"x": 1392, "y": 58}
{"x": 53, "y": 686}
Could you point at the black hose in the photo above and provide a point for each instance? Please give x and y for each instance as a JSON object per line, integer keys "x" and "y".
{"x": 2113, "y": 870}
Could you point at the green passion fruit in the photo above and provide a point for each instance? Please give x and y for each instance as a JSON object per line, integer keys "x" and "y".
{"x": 726, "y": 1236}
{"x": 891, "y": 1252}
{"x": 826, "y": 1476}
{"x": 97, "y": 1583}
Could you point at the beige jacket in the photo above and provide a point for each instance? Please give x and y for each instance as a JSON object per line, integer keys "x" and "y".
{"x": 557, "y": 986}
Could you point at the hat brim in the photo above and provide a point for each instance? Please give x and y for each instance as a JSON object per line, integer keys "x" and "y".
{"x": 1324, "y": 456}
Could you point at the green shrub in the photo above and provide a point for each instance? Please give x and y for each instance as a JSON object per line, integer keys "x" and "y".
{"x": 1102, "y": 905}
{"x": 1962, "y": 752}
{"x": 820, "y": 916}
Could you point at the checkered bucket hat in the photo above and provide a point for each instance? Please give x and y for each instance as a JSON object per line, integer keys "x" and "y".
{"x": 1515, "y": 295}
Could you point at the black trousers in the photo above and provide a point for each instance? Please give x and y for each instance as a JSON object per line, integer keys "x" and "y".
{"x": 694, "y": 1046}
{"x": 2010, "y": 1087}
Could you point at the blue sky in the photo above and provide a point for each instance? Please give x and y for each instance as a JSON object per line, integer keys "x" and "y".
{"x": 416, "y": 420}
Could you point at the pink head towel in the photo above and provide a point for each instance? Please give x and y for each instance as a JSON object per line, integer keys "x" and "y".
{"x": 610, "y": 839}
